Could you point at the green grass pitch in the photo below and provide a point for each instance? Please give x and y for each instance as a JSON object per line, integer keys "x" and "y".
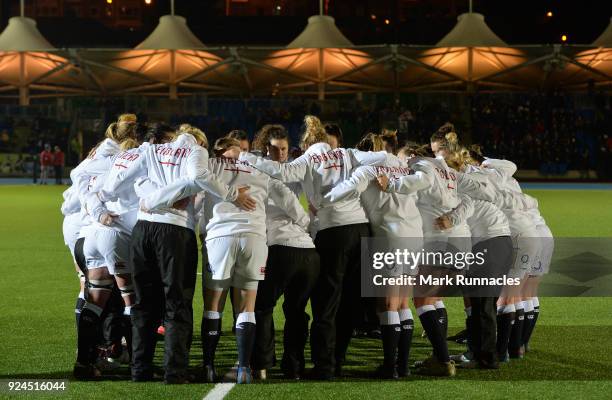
{"x": 571, "y": 353}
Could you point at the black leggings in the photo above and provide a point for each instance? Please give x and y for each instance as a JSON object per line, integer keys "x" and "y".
{"x": 336, "y": 305}
{"x": 165, "y": 260}
{"x": 292, "y": 272}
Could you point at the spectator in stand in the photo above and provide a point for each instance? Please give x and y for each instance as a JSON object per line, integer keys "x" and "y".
{"x": 58, "y": 164}
{"x": 46, "y": 164}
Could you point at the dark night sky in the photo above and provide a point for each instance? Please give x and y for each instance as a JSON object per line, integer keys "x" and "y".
{"x": 515, "y": 21}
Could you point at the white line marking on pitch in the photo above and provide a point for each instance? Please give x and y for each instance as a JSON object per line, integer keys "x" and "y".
{"x": 219, "y": 391}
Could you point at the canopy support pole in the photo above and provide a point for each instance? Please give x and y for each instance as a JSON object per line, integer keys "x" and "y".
{"x": 321, "y": 85}
{"x": 24, "y": 98}
{"x": 172, "y": 91}
{"x": 470, "y": 72}
{"x": 396, "y": 90}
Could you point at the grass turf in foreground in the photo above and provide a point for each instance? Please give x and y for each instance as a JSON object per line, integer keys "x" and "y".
{"x": 570, "y": 356}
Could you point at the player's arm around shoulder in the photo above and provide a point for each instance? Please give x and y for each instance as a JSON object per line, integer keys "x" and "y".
{"x": 293, "y": 171}
{"x": 408, "y": 184}
{"x": 462, "y": 212}
{"x": 356, "y": 184}
{"x": 476, "y": 185}
{"x": 285, "y": 199}
{"x": 361, "y": 158}
{"x": 126, "y": 174}
{"x": 506, "y": 168}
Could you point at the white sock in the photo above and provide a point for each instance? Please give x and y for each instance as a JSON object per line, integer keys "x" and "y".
{"x": 439, "y": 304}
{"x": 426, "y": 308}
{"x": 245, "y": 317}
{"x": 82, "y": 295}
{"x": 507, "y": 309}
{"x": 468, "y": 311}
{"x": 212, "y": 315}
{"x": 535, "y": 301}
{"x": 405, "y": 314}
{"x": 519, "y": 306}
{"x": 389, "y": 318}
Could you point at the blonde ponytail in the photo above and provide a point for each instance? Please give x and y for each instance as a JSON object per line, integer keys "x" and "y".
{"x": 452, "y": 142}
{"x": 128, "y": 144}
{"x": 122, "y": 131}
{"x": 446, "y": 137}
{"x": 198, "y": 134}
{"x": 451, "y": 138}
{"x": 314, "y": 132}
{"x": 127, "y": 118}
{"x": 111, "y": 131}
{"x": 458, "y": 159}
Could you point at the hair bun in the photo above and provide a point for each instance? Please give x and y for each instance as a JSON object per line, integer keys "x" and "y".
{"x": 451, "y": 137}
{"x": 312, "y": 123}
{"x": 313, "y": 132}
{"x": 127, "y": 118}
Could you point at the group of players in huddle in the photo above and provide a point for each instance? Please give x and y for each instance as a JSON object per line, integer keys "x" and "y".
{"x": 138, "y": 199}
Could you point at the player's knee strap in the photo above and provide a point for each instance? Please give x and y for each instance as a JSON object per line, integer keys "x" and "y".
{"x": 126, "y": 290}
{"x": 101, "y": 284}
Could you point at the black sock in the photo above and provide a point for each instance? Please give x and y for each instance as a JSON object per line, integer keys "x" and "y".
{"x": 443, "y": 320}
{"x": 516, "y": 335}
{"x": 87, "y": 336}
{"x": 80, "y": 303}
{"x": 211, "y": 332}
{"x": 433, "y": 328}
{"x": 536, "y": 314}
{"x": 504, "y": 328}
{"x": 405, "y": 341}
{"x": 530, "y": 322}
{"x": 245, "y": 339}
{"x": 390, "y": 338}
{"x": 528, "y": 327}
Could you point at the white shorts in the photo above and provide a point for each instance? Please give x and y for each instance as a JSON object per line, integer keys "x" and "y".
{"x": 108, "y": 248}
{"x": 547, "y": 246}
{"x": 526, "y": 247}
{"x": 71, "y": 227}
{"x": 235, "y": 260}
